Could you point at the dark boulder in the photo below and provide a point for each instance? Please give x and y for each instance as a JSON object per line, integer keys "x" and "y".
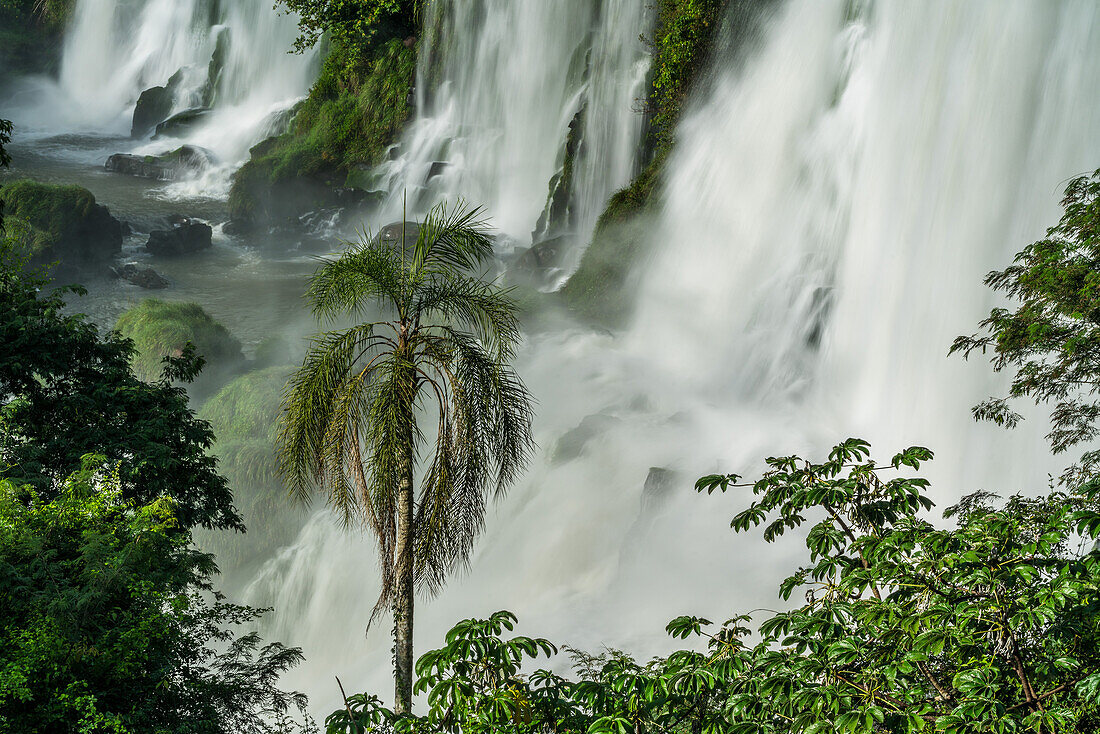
{"x": 185, "y": 239}
{"x": 545, "y": 255}
{"x": 141, "y": 276}
{"x": 391, "y": 234}
{"x": 182, "y": 122}
{"x": 574, "y": 442}
{"x": 215, "y": 71}
{"x": 186, "y": 161}
{"x": 154, "y": 106}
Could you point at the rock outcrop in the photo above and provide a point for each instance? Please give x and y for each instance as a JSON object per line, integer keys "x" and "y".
{"x": 61, "y": 223}
{"x": 186, "y": 161}
{"x": 186, "y": 238}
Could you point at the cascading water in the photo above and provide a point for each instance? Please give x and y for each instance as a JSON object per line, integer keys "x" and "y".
{"x": 499, "y": 83}
{"x": 830, "y": 210}
{"x": 115, "y": 49}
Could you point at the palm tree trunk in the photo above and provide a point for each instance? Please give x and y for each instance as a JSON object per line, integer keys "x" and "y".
{"x": 404, "y": 577}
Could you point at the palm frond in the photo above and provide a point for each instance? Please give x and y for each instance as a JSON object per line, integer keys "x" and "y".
{"x": 468, "y": 303}
{"x": 451, "y": 238}
{"x": 368, "y": 272}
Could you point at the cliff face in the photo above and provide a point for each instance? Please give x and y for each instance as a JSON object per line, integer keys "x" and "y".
{"x": 686, "y": 35}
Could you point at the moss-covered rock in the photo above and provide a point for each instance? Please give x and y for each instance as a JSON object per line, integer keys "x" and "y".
{"x": 162, "y": 328}
{"x": 354, "y": 112}
{"x": 245, "y": 417}
{"x": 598, "y": 291}
{"x": 62, "y": 223}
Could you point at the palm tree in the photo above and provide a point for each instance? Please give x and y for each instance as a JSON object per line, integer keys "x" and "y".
{"x": 356, "y": 414}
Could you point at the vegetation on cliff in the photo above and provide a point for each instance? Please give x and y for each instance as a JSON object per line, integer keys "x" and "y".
{"x": 30, "y": 34}
{"x": 354, "y": 112}
{"x": 685, "y": 36}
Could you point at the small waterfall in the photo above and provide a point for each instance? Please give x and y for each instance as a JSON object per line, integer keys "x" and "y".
{"x": 499, "y": 83}
{"x": 831, "y": 209}
{"x": 115, "y": 49}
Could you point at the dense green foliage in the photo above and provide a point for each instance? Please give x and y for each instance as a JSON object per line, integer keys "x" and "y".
{"x": 108, "y": 622}
{"x": 355, "y": 417}
{"x": 159, "y": 329}
{"x": 66, "y": 391}
{"x": 353, "y": 22}
{"x": 355, "y": 110}
{"x": 109, "y": 625}
{"x": 1052, "y": 339}
{"x": 61, "y": 222}
{"x": 30, "y": 33}
{"x": 990, "y": 626}
{"x": 683, "y": 42}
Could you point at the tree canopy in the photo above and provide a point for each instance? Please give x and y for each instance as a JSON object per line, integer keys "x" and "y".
{"x": 352, "y": 22}
{"x": 992, "y": 625}
{"x": 1051, "y": 340}
{"x": 66, "y": 391}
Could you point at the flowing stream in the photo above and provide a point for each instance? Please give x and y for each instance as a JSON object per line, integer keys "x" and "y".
{"x": 839, "y": 188}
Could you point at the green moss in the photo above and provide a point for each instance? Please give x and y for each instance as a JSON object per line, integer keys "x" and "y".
{"x": 160, "y": 328}
{"x": 597, "y": 292}
{"x": 62, "y": 221}
{"x": 30, "y": 34}
{"x": 244, "y": 415}
{"x": 355, "y": 111}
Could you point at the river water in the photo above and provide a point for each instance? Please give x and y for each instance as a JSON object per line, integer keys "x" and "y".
{"x": 840, "y": 186}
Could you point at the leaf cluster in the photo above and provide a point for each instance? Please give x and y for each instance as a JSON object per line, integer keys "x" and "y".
{"x": 1051, "y": 340}
{"x": 110, "y": 623}
{"x": 991, "y": 625}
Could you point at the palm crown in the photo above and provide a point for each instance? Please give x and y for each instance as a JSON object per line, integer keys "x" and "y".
{"x": 442, "y": 349}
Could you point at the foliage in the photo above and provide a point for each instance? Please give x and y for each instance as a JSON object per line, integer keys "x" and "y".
{"x": 110, "y": 624}
{"x": 990, "y": 626}
{"x": 684, "y": 38}
{"x": 244, "y": 416}
{"x": 30, "y": 33}
{"x": 352, "y": 22}
{"x": 1052, "y": 339}
{"x": 164, "y": 328}
{"x": 66, "y": 390}
{"x": 354, "y": 412}
{"x": 355, "y": 111}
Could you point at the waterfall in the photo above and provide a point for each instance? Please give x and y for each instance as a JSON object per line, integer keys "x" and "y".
{"x": 498, "y": 85}
{"x": 115, "y": 49}
{"x": 831, "y": 207}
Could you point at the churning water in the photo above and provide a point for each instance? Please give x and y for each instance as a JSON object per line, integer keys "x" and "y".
{"x": 836, "y": 196}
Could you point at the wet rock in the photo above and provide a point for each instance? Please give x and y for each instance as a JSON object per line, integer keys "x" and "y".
{"x": 154, "y": 106}
{"x": 185, "y": 239}
{"x": 545, "y": 255}
{"x": 186, "y": 161}
{"x": 437, "y": 169}
{"x": 141, "y": 276}
{"x": 391, "y": 234}
{"x": 182, "y": 122}
{"x": 213, "y": 87}
{"x": 574, "y": 441}
{"x": 659, "y": 484}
